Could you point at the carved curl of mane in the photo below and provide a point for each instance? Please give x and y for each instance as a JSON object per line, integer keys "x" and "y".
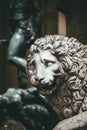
{"x": 73, "y": 58}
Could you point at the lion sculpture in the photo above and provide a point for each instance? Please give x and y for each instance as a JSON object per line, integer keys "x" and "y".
{"x": 57, "y": 66}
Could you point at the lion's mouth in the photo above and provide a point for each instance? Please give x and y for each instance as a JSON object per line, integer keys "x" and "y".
{"x": 46, "y": 89}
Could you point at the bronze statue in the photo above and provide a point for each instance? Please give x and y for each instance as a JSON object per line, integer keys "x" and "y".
{"x": 27, "y": 107}
{"x": 57, "y": 67}
{"x": 24, "y": 31}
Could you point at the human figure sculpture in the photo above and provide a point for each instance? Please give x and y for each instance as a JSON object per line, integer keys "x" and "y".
{"x": 57, "y": 67}
{"x": 24, "y": 31}
{"x": 27, "y": 107}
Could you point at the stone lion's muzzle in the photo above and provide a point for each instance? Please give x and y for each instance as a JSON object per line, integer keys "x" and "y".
{"x": 46, "y": 89}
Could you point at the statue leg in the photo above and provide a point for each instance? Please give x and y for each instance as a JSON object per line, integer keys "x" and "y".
{"x": 22, "y": 78}
{"x": 16, "y": 53}
{"x": 15, "y": 49}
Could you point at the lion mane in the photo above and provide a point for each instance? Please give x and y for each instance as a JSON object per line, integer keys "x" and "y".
{"x": 71, "y": 97}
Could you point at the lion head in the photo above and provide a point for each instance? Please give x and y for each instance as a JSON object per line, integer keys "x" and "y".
{"x": 57, "y": 65}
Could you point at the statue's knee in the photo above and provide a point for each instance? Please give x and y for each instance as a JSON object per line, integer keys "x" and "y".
{"x": 10, "y": 58}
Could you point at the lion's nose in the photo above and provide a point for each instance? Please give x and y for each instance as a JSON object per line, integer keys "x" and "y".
{"x": 39, "y": 75}
{"x": 39, "y": 79}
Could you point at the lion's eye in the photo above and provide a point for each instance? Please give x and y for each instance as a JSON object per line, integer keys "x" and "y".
{"x": 48, "y": 63}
